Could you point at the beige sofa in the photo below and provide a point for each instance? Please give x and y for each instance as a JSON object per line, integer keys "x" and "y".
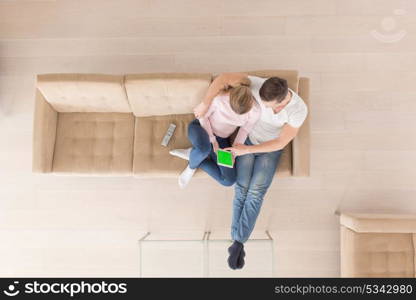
{"x": 101, "y": 124}
{"x": 378, "y": 245}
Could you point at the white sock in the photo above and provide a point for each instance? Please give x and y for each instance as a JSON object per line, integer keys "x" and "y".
{"x": 181, "y": 153}
{"x": 185, "y": 177}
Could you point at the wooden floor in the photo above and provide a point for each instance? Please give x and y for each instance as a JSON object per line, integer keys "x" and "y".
{"x": 359, "y": 54}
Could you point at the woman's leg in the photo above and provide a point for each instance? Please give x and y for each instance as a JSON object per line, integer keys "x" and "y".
{"x": 264, "y": 169}
{"x": 201, "y": 146}
{"x": 224, "y": 175}
{"x": 202, "y": 155}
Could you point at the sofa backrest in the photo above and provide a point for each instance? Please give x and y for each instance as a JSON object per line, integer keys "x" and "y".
{"x": 84, "y": 92}
{"x": 143, "y": 94}
{"x": 165, "y": 93}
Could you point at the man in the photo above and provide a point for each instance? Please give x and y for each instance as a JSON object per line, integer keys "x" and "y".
{"x": 282, "y": 114}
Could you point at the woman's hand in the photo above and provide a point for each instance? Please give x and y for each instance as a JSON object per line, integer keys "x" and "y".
{"x": 239, "y": 149}
{"x": 200, "y": 110}
{"x": 215, "y": 146}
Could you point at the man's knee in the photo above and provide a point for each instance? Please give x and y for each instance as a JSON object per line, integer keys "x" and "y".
{"x": 256, "y": 193}
{"x": 241, "y": 186}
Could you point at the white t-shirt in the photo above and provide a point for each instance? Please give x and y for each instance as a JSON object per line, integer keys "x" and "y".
{"x": 271, "y": 124}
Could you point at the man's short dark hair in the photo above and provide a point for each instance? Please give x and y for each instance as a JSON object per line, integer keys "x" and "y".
{"x": 274, "y": 88}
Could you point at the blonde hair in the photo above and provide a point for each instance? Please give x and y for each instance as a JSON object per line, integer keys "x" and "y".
{"x": 241, "y": 98}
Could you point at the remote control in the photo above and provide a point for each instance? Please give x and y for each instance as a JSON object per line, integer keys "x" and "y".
{"x": 168, "y": 134}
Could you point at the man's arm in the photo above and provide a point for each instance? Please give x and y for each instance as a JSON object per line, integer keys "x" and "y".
{"x": 218, "y": 84}
{"x": 287, "y": 134}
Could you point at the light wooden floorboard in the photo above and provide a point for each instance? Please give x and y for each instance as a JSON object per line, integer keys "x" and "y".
{"x": 362, "y": 114}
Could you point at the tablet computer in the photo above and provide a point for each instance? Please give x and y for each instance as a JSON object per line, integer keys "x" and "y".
{"x": 225, "y": 158}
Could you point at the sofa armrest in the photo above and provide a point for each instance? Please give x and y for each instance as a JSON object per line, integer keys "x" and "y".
{"x": 301, "y": 143}
{"x": 44, "y": 134}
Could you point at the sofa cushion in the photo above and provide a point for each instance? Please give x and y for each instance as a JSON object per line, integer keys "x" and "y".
{"x": 284, "y": 168}
{"x": 84, "y": 92}
{"x": 165, "y": 94}
{"x": 290, "y": 75}
{"x": 94, "y": 143}
{"x": 153, "y": 159}
{"x": 376, "y": 254}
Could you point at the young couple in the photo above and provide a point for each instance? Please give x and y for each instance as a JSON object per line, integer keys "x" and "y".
{"x": 268, "y": 115}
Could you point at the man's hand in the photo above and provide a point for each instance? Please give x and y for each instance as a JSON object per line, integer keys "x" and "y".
{"x": 239, "y": 149}
{"x": 200, "y": 110}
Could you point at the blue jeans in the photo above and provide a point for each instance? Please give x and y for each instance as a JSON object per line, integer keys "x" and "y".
{"x": 255, "y": 173}
{"x": 203, "y": 155}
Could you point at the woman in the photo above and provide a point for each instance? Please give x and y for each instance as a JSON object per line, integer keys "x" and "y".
{"x": 233, "y": 107}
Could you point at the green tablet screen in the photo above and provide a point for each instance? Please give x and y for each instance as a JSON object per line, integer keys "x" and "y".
{"x": 225, "y": 158}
